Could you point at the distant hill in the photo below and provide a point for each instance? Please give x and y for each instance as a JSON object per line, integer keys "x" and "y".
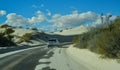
{"x": 73, "y": 31}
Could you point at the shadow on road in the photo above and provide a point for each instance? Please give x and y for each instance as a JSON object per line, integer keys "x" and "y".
{"x": 48, "y": 55}
{"x": 45, "y": 62}
{"x": 47, "y": 68}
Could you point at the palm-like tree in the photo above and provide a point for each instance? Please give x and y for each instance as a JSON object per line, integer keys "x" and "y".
{"x": 101, "y": 16}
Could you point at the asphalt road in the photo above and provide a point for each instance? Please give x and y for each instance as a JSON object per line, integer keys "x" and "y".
{"x": 33, "y": 59}
{"x": 26, "y": 60}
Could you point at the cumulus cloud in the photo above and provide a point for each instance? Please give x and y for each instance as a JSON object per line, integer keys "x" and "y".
{"x": 37, "y": 19}
{"x": 18, "y": 20}
{"x": 73, "y": 19}
{"x": 76, "y": 19}
{"x": 2, "y": 12}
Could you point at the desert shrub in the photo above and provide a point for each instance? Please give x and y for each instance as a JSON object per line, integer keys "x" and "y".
{"x": 103, "y": 40}
{"x": 5, "y": 37}
{"x": 108, "y": 44}
{"x": 6, "y": 40}
{"x": 82, "y": 40}
{"x": 26, "y": 36}
{"x": 61, "y": 30}
{"x": 35, "y": 29}
{"x": 92, "y": 45}
{"x": 4, "y": 26}
{"x": 9, "y": 31}
{"x": 75, "y": 39}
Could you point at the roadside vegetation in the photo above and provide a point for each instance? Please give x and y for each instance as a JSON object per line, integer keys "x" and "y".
{"x": 103, "y": 40}
{"x": 6, "y": 37}
{"x": 25, "y": 38}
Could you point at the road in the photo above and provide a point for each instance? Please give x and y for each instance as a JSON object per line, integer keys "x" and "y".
{"x": 40, "y": 58}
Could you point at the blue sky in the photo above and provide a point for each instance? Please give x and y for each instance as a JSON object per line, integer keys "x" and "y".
{"x": 49, "y": 8}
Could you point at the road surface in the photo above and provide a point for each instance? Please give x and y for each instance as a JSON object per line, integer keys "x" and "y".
{"x": 41, "y": 58}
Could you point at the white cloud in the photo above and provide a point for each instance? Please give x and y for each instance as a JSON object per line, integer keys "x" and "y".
{"x": 18, "y": 20}
{"x": 2, "y": 12}
{"x": 73, "y": 19}
{"x": 37, "y": 19}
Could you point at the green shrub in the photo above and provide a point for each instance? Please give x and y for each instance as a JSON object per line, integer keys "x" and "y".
{"x": 6, "y": 40}
{"x": 108, "y": 43}
{"x": 9, "y": 31}
{"x": 61, "y": 30}
{"x": 102, "y": 40}
{"x": 75, "y": 39}
{"x": 4, "y": 26}
{"x": 35, "y": 29}
{"x": 27, "y": 36}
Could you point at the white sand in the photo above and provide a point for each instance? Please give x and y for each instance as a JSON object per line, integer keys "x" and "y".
{"x": 92, "y": 60}
{"x": 73, "y": 31}
{"x": 20, "y": 31}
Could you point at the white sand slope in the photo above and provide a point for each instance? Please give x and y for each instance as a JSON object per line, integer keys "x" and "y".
{"x": 20, "y": 31}
{"x": 73, "y": 31}
{"x": 92, "y": 60}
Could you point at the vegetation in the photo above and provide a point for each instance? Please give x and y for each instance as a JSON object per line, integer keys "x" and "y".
{"x": 6, "y": 37}
{"x": 6, "y": 41}
{"x": 103, "y": 40}
{"x": 25, "y": 38}
{"x": 4, "y": 26}
{"x": 61, "y": 30}
{"x": 9, "y": 31}
{"x": 35, "y": 29}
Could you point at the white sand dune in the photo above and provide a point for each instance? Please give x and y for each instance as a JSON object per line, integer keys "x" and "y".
{"x": 92, "y": 60}
{"x": 73, "y": 31}
{"x": 20, "y": 31}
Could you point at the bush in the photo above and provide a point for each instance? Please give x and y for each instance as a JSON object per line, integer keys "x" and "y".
{"x": 26, "y": 36}
{"x": 9, "y": 31}
{"x": 6, "y": 40}
{"x": 82, "y": 40}
{"x": 103, "y": 40}
{"x": 4, "y": 26}
{"x": 108, "y": 43}
{"x": 75, "y": 39}
{"x": 61, "y": 30}
{"x": 35, "y": 29}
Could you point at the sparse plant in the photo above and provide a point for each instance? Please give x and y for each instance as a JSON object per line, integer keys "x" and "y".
{"x": 9, "y": 30}
{"x": 35, "y": 29}
{"x": 61, "y": 30}
{"x": 26, "y": 36}
{"x": 6, "y": 40}
{"x": 4, "y": 26}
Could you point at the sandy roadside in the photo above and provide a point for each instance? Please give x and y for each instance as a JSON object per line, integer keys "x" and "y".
{"x": 92, "y": 60}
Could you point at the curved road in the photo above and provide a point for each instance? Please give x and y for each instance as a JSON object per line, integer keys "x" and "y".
{"x": 40, "y": 58}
